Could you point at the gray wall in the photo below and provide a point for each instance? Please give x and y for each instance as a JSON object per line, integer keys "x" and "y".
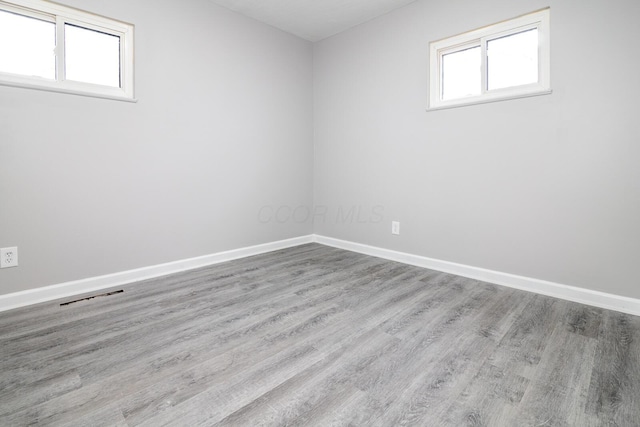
{"x": 223, "y": 126}
{"x": 545, "y": 187}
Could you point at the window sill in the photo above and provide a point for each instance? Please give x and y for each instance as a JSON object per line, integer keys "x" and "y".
{"x": 68, "y": 91}
{"x": 459, "y": 103}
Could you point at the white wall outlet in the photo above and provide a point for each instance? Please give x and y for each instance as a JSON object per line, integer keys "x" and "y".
{"x": 395, "y": 228}
{"x": 8, "y": 257}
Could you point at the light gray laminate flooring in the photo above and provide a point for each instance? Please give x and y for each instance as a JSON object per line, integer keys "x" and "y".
{"x": 319, "y": 336}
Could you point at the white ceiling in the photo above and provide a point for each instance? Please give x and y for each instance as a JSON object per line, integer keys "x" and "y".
{"x": 313, "y": 19}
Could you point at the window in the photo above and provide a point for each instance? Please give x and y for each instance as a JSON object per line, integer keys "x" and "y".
{"x": 48, "y": 46}
{"x": 501, "y": 61}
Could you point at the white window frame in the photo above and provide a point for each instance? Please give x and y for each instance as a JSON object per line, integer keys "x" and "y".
{"x": 480, "y": 38}
{"x": 61, "y": 15}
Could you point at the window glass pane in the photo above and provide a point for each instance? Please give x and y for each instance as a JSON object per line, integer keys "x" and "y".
{"x": 27, "y": 46}
{"x": 92, "y": 56}
{"x": 461, "y": 74}
{"x": 513, "y": 60}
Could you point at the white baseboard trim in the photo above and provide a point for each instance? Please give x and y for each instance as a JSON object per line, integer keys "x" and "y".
{"x": 556, "y": 290}
{"x": 92, "y": 284}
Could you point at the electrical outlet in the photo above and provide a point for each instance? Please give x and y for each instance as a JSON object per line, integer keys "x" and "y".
{"x": 8, "y": 257}
{"x": 395, "y": 228}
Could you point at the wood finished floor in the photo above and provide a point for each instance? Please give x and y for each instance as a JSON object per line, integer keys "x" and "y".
{"x": 319, "y": 336}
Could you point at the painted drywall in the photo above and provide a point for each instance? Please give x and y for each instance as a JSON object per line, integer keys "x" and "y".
{"x": 545, "y": 187}
{"x": 222, "y": 128}
{"x": 312, "y": 19}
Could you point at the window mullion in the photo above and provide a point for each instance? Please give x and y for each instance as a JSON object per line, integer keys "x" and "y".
{"x": 60, "y": 55}
{"x": 484, "y": 72}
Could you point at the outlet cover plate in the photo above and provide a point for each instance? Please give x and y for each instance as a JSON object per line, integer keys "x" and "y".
{"x": 395, "y": 228}
{"x": 8, "y": 257}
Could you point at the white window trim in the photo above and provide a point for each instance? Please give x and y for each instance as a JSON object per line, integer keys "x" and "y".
{"x": 479, "y": 37}
{"x": 62, "y": 15}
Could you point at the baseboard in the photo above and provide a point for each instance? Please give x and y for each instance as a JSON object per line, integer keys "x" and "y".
{"x": 84, "y": 286}
{"x": 556, "y": 290}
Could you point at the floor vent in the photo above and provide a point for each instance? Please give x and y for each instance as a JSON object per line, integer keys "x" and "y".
{"x": 108, "y": 294}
